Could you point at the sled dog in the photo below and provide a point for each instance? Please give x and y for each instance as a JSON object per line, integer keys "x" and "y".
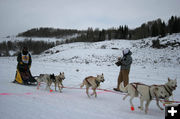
{"x": 47, "y": 78}
{"x": 93, "y": 82}
{"x": 147, "y": 93}
{"x": 169, "y": 87}
{"x": 58, "y": 82}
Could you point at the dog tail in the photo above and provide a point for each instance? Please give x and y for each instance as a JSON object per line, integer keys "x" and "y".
{"x": 123, "y": 89}
{"x": 82, "y": 84}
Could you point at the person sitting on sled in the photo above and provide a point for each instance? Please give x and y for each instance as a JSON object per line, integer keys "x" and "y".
{"x": 24, "y": 63}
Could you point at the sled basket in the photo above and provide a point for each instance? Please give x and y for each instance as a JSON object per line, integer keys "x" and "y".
{"x": 24, "y": 77}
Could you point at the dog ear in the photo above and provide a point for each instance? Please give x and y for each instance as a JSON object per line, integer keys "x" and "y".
{"x": 102, "y": 74}
{"x": 60, "y": 73}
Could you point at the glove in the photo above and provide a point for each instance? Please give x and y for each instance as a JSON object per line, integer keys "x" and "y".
{"x": 118, "y": 63}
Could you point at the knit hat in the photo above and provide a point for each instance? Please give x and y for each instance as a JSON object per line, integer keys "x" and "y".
{"x": 126, "y": 51}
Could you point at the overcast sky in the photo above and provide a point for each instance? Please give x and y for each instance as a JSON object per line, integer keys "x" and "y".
{"x": 20, "y": 15}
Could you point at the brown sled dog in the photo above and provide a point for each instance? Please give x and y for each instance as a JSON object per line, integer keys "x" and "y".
{"x": 58, "y": 82}
{"x": 93, "y": 82}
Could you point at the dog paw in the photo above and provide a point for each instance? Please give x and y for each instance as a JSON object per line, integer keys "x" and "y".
{"x": 140, "y": 108}
{"x": 146, "y": 111}
{"x": 88, "y": 96}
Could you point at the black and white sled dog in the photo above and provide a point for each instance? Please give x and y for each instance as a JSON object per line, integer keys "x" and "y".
{"x": 47, "y": 78}
{"x": 149, "y": 92}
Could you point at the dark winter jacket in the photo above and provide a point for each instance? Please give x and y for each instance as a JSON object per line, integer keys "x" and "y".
{"x": 126, "y": 61}
{"x": 22, "y": 64}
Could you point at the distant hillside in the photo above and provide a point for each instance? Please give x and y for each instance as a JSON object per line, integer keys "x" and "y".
{"x": 49, "y": 32}
{"x": 150, "y": 29}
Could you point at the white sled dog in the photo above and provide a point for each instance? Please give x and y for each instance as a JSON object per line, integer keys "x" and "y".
{"x": 58, "y": 82}
{"x": 93, "y": 82}
{"x": 147, "y": 93}
{"x": 47, "y": 78}
{"x": 169, "y": 87}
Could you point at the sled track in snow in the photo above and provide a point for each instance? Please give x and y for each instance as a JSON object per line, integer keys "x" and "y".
{"x": 73, "y": 88}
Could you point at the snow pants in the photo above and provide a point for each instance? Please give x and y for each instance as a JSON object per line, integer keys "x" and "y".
{"x": 123, "y": 77}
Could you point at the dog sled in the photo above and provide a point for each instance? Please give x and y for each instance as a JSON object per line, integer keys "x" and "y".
{"x": 24, "y": 77}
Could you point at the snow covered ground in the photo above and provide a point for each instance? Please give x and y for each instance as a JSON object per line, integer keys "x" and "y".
{"x": 150, "y": 66}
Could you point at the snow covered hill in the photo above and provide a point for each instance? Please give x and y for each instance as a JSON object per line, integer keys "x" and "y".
{"x": 15, "y": 39}
{"x": 79, "y": 60}
{"x": 106, "y": 52}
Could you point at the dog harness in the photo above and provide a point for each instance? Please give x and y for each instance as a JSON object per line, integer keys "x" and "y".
{"x": 136, "y": 86}
{"x": 52, "y": 78}
{"x": 87, "y": 80}
{"x": 166, "y": 88}
{"x": 150, "y": 96}
{"x": 97, "y": 82}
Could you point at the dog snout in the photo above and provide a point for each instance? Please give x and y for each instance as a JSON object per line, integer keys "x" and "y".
{"x": 175, "y": 87}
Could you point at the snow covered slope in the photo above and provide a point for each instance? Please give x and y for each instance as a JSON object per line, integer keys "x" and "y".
{"x": 79, "y": 60}
{"x": 14, "y": 38}
{"x": 106, "y": 52}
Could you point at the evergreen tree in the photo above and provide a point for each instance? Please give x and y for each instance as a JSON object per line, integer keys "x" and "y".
{"x": 163, "y": 29}
{"x": 155, "y": 31}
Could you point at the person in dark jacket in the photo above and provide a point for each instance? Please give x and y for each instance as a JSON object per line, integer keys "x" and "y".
{"x": 125, "y": 63}
{"x": 24, "y": 60}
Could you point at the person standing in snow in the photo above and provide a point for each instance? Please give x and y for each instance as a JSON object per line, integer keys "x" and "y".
{"x": 125, "y": 63}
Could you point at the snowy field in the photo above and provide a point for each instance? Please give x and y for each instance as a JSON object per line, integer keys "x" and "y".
{"x": 150, "y": 66}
